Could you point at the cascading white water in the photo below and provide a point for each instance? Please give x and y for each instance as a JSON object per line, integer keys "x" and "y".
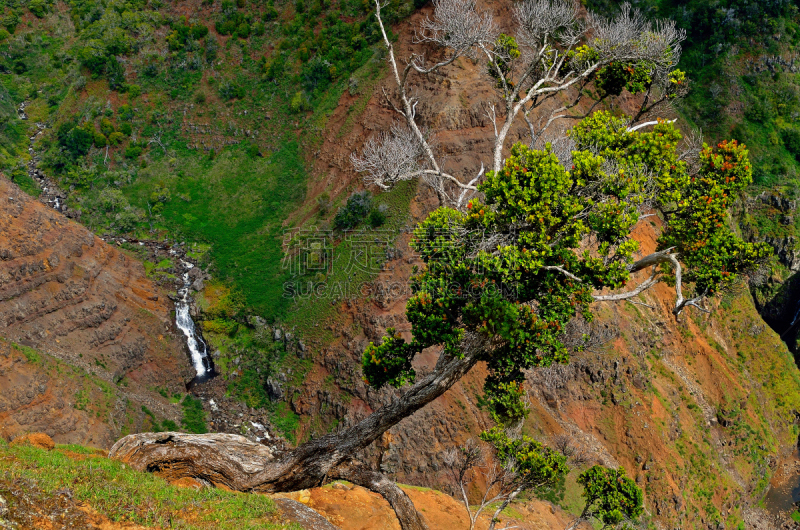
{"x": 184, "y": 321}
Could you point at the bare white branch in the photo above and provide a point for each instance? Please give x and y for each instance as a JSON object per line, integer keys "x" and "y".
{"x": 457, "y": 25}
{"x": 648, "y": 124}
{"x": 540, "y": 20}
{"x": 389, "y": 157}
{"x": 631, "y": 37}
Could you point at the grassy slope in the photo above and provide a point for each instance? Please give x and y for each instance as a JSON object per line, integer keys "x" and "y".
{"x": 122, "y": 494}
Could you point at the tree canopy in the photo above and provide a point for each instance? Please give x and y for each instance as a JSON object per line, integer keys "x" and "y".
{"x": 552, "y": 234}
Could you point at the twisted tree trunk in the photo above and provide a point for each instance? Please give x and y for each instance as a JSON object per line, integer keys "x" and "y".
{"x": 234, "y": 462}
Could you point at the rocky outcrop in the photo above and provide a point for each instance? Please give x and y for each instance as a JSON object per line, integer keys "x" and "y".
{"x": 67, "y": 294}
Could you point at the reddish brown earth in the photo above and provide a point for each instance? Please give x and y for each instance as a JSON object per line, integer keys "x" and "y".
{"x": 87, "y": 337}
{"x": 353, "y": 508}
{"x": 35, "y": 439}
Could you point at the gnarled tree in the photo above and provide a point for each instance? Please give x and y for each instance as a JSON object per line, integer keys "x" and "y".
{"x": 546, "y": 234}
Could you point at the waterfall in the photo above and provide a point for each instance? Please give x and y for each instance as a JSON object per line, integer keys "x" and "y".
{"x": 197, "y": 348}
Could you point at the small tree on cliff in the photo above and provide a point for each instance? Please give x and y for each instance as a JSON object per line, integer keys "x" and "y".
{"x": 550, "y": 234}
{"x": 611, "y": 497}
{"x": 519, "y": 463}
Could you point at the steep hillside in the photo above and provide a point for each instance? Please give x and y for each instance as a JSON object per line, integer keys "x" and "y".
{"x": 160, "y": 119}
{"x": 701, "y": 411}
{"x": 92, "y": 335}
{"x": 226, "y": 126}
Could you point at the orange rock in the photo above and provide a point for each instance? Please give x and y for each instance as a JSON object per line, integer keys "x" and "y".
{"x": 187, "y": 482}
{"x": 36, "y": 439}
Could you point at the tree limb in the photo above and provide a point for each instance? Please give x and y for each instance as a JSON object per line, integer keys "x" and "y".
{"x": 409, "y": 517}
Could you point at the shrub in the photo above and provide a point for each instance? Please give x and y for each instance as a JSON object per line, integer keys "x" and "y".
{"x": 316, "y": 74}
{"x": 79, "y": 141}
{"x": 116, "y": 138}
{"x": 324, "y": 204}
{"x": 133, "y": 151}
{"x": 10, "y": 21}
{"x": 125, "y": 112}
{"x": 354, "y": 212}
{"x": 229, "y": 90}
{"x": 243, "y": 30}
{"x": 106, "y": 127}
{"x": 112, "y": 199}
{"x": 302, "y": 54}
{"x": 38, "y": 8}
{"x": 80, "y": 177}
{"x": 126, "y": 220}
{"x": 4, "y": 34}
{"x": 376, "y": 218}
{"x": 150, "y": 70}
{"x": 100, "y": 140}
{"x": 115, "y": 74}
{"x": 200, "y": 98}
{"x": 134, "y": 91}
{"x": 298, "y": 103}
{"x": 270, "y": 13}
{"x": 126, "y": 129}
{"x": 791, "y": 140}
{"x": 199, "y": 31}
{"x": 273, "y": 69}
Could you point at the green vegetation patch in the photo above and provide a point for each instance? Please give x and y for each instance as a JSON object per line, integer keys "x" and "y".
{"x": 123, "y": 494}
{"x": 194, "y": 417}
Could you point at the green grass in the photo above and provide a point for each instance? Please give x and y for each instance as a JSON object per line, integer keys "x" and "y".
{"x": 285, "y": 420}
{"x": 344, "y": 274}
{"x": 194, "y": 417}
{"x": 30, "y": 354}
{"x": 123, "y": 494}
{"x": 237, "y": 204}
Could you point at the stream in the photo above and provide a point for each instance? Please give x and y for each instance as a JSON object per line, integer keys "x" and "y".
{"x": 54, "y": 197}
{"x": 197, "y": 347}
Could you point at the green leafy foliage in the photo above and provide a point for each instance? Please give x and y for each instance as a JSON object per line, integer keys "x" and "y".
{"x": 695, "y": 205}
{"x": 611, "y": 497}
{"x": 507, "y": 50}
{"x": 619, "y": 76}
{"x": 354, "y": 212}
{"x": 194, "y": 417}
{"x": 537, "y": 464}
{"x": 514, "y": 268}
